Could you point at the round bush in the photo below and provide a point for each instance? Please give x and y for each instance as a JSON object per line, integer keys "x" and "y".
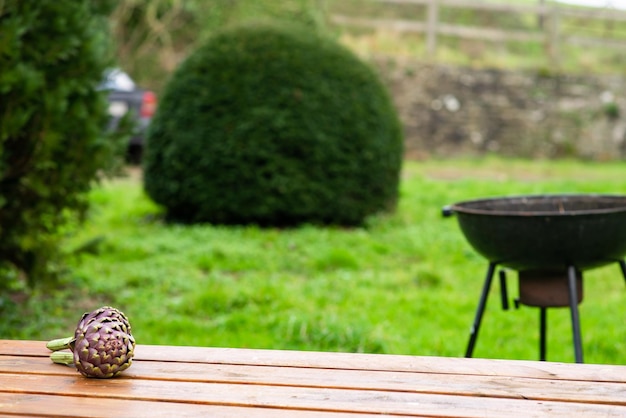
{"x": 273, "y": 126}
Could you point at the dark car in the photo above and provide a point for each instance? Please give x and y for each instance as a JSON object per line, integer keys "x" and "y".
{"x": 125, "y": 97}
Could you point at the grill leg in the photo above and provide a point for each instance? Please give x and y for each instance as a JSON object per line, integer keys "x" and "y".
{"x": 542, "y": 332}
{"x": 504, "y": 294}
{"x": 480, "y": 310}
{"x": 573, "y": 304}
{"x": 622, "y": 264}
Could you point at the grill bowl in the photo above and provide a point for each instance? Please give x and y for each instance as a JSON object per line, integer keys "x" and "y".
{"x": 545, "y": 232}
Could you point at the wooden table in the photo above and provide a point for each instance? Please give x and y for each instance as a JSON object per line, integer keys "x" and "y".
{"x": 220, "y": 382}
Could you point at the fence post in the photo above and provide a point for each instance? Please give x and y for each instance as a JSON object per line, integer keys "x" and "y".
{"x": 553, "y": 38}
{"x": 431, "y": 30}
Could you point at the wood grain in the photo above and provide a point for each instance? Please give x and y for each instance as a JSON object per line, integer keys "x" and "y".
{"x": 222, "y": 382}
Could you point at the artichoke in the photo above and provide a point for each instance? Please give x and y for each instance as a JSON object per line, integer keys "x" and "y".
{"x": 102, "y": 346}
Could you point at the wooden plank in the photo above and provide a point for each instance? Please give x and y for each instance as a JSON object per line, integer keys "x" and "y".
{"x": 386, "y": 362}
{"x": 396, "y": 25}
{"x": 470, "y": 32}
{"x": 23, "y": 348}
{"x": 538, "y": 9}
{"x": 297, "y": 398}
{"x": 473, "y": 32}
{"x": 477, "y": 5}
{"x": 460, "y": 385}
{"x": 595, "y": 14}
{"x": 596, "y": 42}
{"x": 53, "y": 405}
{"x": 355, "y": 361}
{"x": 326, "y": 382}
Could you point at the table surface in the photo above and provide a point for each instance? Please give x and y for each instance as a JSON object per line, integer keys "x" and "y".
{"x": 173, "y": 381}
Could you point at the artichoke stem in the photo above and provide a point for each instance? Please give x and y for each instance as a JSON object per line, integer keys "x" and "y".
{"x": 60, "y": 344}
{"x": 62, "y": 357}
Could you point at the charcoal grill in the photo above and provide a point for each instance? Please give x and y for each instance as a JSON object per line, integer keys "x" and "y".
{"x": 550, "y": 240}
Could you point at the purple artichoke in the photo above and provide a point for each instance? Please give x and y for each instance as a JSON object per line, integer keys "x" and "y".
{"x": 102, "y": 346}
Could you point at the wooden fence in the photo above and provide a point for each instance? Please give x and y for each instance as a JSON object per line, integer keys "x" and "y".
{"x": 548, "y": 30}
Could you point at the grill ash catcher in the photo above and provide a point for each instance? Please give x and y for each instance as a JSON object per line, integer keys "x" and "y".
{"x": 550, "y": 240}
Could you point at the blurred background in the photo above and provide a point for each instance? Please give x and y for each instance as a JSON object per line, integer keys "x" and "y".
{"x": 495, "y": 98}
{"x": 528, "y": 78}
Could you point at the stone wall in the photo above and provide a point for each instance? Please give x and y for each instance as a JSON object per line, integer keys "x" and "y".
{"x": 450, "y": 111}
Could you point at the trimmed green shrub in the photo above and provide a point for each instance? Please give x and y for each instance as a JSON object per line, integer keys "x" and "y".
{"x": 273, "y": 125}
{"x": 51, "y": 120}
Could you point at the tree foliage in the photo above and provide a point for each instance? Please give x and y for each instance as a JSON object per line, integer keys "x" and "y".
{"x": 154, "y": 36}
{"x": 52, "y": 55}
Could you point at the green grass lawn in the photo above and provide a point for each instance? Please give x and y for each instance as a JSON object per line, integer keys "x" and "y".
{"x": 407, "y": 283}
